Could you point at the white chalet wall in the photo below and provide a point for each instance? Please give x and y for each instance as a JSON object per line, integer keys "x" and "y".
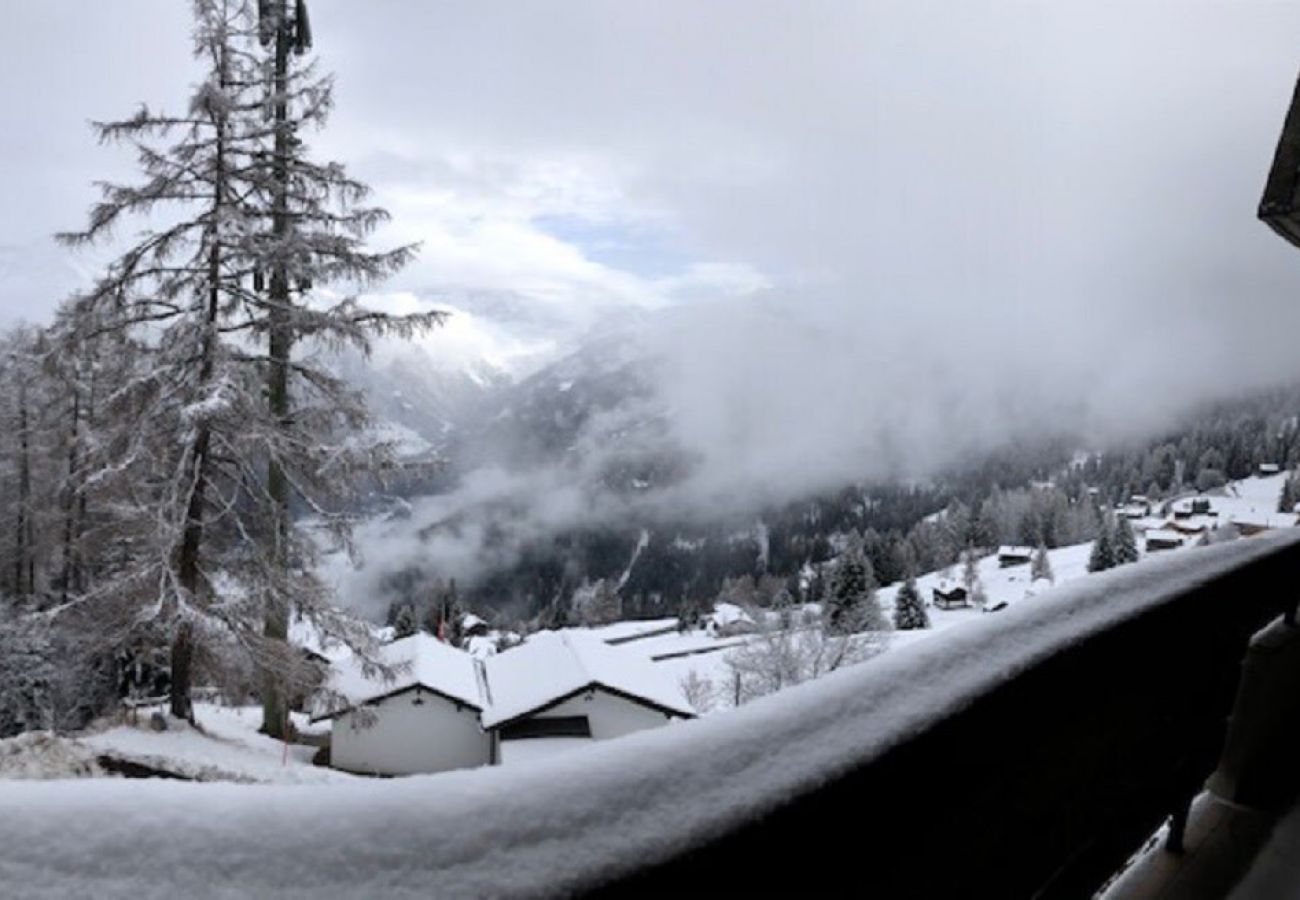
{"x": 407, "y": 738}
{"x": 610, "y": 716}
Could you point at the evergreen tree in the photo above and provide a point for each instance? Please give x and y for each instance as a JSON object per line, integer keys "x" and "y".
{"x": 1103, "y": 549}
{"x": 1290, "y": 495}
{"x": 851, "y": 595}
{"x": 909, "y": 610}
{"x": 1124, "y": 544}
{"x": 405, "y": 621}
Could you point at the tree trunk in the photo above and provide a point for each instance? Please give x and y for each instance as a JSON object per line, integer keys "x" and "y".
{"x": 182, "y": 657}
{"x": 72, "y": 497}
{"x": 25, "y": 565}
{"x": 188, "y": 572}
{"x": 276, "y": 614}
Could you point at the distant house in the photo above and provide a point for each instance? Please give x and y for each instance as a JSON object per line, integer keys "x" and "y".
{"x": 1162, "y": 539}
{"x": 950, "y": 596}
{"x": 729, "y": 620}
{"x": 445, "y": 709}
{"x": 473, "y": 626}
{"x": 1187, "y": 526}
{"x": 1009, "y": 556}
{"x": 1268, "y": 468}
{"x": 1249, "y": 524}
{"x": 1188, "y": 507}
{"x": 565, "y": 687}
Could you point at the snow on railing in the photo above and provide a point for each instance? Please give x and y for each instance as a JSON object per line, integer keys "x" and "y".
{"x": 997, "y": 760}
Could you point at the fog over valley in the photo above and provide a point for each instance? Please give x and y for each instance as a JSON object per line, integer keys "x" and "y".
{"x": 699, "y": 273}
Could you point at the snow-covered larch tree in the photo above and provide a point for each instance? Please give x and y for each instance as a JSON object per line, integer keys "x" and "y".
{"x": 1040, "y": 567}
{"x": 216, "y": 553}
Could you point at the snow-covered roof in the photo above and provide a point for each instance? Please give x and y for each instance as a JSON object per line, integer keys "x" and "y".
{"x": 729, "y": 614}
{"x": 1164, "y": 534}
{"x": 304, "y": 634}
{"x": 551, "y": 666}
{"x": 425, "y": 661}
{"x": 1012, "y": 550}
{"x": 1264, "y": 520}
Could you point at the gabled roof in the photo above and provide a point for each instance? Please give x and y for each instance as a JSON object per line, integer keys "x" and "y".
{"x": 428, "y": 663}
{"x": 551, "y": 666}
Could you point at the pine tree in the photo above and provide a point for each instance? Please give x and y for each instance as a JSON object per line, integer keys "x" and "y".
{"x": 1041, "y": 566}
{"x": 909, "y": 611}
{"x": 1290, "y": 495}
{"x": 1103, "y": 549}
{"x": 405, "y": 621}
{"x": 851, "y": 604}
{"x": 1124, "y": 544}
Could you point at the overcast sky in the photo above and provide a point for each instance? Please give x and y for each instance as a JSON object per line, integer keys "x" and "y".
{"x": 1021, "y": 209}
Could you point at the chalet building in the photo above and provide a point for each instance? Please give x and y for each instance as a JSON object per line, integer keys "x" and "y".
{"x": 1162, "y": 539}
{"x": 950, "y": 596}
{"x": 473, "y": 626}
{"x": 1249, "y": 524}
{"x": 1267, "y": 468}
{"x": 1009, "y": 556}
{"x": 445, "y": 709}
{"x": 729, "y": 620}
{"x": 563, "y": 688}
{"x": 424, "y": 720}
{"x": 1191, "y": 527}
{"x": 1188, "y": 507}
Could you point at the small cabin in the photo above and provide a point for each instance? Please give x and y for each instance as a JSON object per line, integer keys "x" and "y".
{"x": 729, "y": 620}
{"x": 1268, "y": 468}
{"x": 1162, "y": 539}
{"x": 953, "y": 596}
{"x": 1014, "y": 556}
{"x": 1187, "y": 526}
{"x": 473, "y": 626}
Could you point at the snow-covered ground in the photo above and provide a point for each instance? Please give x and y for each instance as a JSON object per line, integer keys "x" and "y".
{"x": 225, "y": 747}
{"x": 561, "y": 823}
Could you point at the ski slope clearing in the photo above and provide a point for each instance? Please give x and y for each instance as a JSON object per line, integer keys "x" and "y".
{"x": 559, "y": 823}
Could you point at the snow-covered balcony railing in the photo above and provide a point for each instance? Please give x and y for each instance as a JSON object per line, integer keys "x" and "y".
{"x": 1024, "y": 755}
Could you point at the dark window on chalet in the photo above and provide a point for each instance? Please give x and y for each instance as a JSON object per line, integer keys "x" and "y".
{"x": 555, "y": 726}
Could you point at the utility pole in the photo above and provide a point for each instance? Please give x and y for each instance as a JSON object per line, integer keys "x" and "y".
{"x": 289, "y": 33}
